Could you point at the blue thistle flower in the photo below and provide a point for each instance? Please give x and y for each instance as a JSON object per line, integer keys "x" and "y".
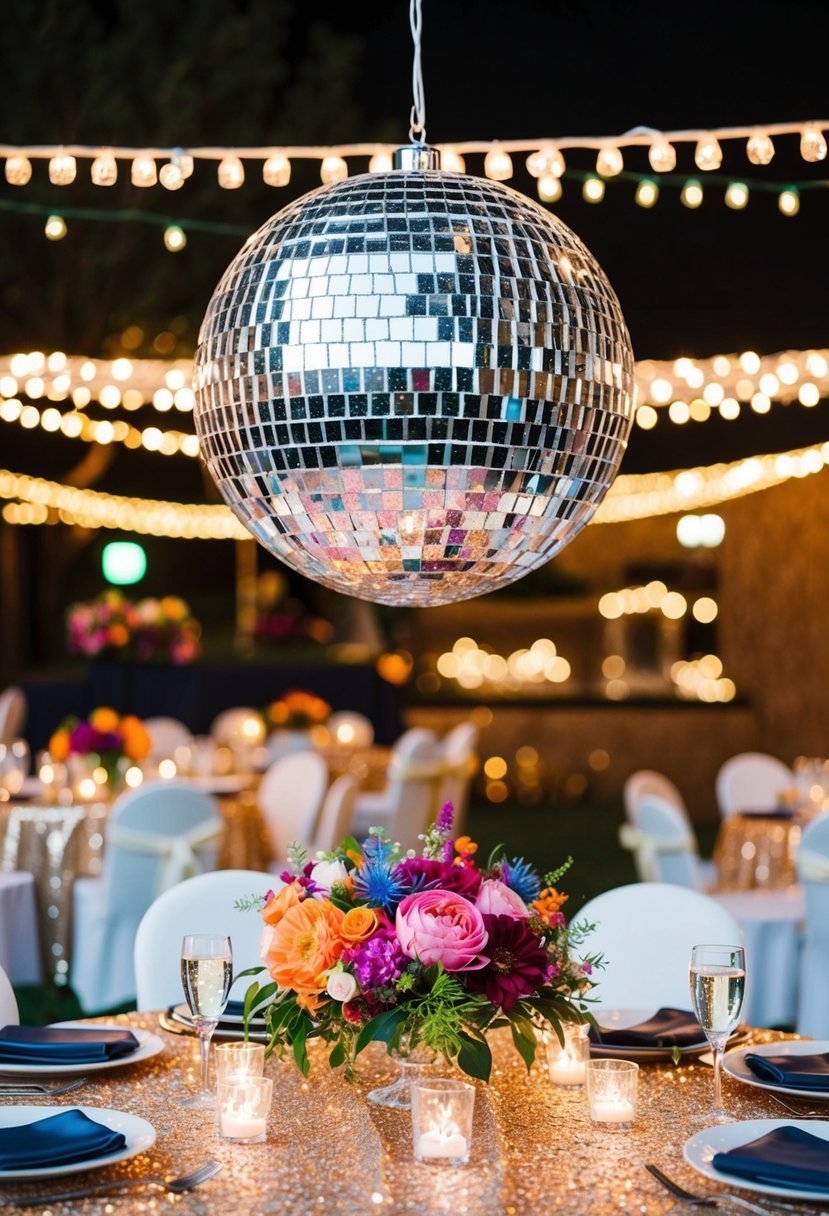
{"x": 378, "y": 849}
{"x": 521, "y": 878}
{"x": 376, "y": 884}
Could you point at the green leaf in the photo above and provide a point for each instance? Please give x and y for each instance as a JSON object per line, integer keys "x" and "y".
{"x": 523, "y": 1036}
{"x": 381, "y": 1028}
{"x": 300, "y": 1034}
{"x": 474, "y": 1057}
{"x": 337, "y": 1056}
{"x": 249, "y": 971}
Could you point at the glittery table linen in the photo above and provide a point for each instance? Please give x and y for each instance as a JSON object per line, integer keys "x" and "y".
{"x": 534, "y": 1149}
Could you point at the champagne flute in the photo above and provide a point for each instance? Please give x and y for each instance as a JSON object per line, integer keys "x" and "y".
{"x": 718, "y": 979}
{"x": 206, "y": 971}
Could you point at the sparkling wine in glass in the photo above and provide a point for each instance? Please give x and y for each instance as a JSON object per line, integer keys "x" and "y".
{"x": 206, "y": 973}
{"x": 718, "y": 980}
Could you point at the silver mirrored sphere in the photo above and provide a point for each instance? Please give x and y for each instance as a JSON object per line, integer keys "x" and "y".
{"x": 414, "y": 387}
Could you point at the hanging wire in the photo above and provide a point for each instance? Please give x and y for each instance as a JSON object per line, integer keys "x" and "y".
{"x": 417, "y": 130}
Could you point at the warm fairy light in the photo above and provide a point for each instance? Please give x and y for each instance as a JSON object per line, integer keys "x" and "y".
{"x": 750, "y": 362}
{"x": 788, "y": 201}
{"x": 498, "y": 165}
{"x": 808, "y": 395}
{"x": 662, "y": 156}
{"x": 593, "y": 190}
{"x": 143, "y": 172}
{"x": 812, "y": 144}
{"x": 230, "y": 173}
{"x": 121, "y": 369}
{"x": 333, "y": 169}
{"x": 18, "y": 170}
{"x": 704, "y": 610}
{"x": 691, "y": 194}
{"x": 549, "y": 188}
{"x": 760, "y": 403}
{"x": 661, "y": 391}
{"x": 380, "y": 162}
{"x": 104, "y": 170}
{"x": 609, "y": 162}
{"x": 700, "y": 531}
{"x": 679, "y": 412}
{"x": 647, "y": 193}
{"x": 699, "y": 410}
{"x": 546, "y": 162}
{"x": 276, "y": 171}
{"x": 736, "y": 196}
{"x": 646, "y": 417}
{"x": 474, "y": 667}
{"x": 55, "y": 228}
{"x": 708, "y": 153}
{"x": 171, "y": 176}
{"x": 62, "y": 170}
{"x": 451, "y": 161}
{"x": 175, "y": 238}
{"x": 760, "y": 148}
{"x": 713, "y": 393}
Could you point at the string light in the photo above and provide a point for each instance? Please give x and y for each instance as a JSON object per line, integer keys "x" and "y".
{"x": 736, "y": 196}
{"x": 593, "y": 190}
{"x": 760, "y": 148}
{"x": 18, "y": 170}
{"x": 546, "y": 162}
{"x": 175, "y": 238}
{"x": 55, "y": 228}
{"x": 380, "y": 162}
{"x": 691, "y": 195}
{"x": 812, "y": 144}
{"x": 789, "y": 201}
{"x": 647, "y": 193}
{"x": 333, "y": 169}
{"x": 276, "y": 171}
{"x": 662, "y": 156}
{"x": 609, "y": 162}
{"x": 451, "y": 161}
{"x": 104, "y": 170}
{"x": 231, "y": 173}
{"x": 708, "y": 153}
{"x": 498, "y": 165}
{"x": 171, "y": 176}
{"x": 62, "y": 170}
{"x": 143, "y": 172}
{"x": 549, "y": 188}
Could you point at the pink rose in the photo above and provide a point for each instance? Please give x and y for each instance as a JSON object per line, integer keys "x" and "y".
{"x": 495, "y": 898}
{"x": 442, "y": 927}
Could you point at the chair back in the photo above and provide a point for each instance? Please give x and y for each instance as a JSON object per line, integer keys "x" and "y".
{"x": 166, "y": 734}
{"x": 458, "y": 755}
{"x": 664, "y": 847}
{"x": 645, "y": 782}
{"x": 813, "y": 871}
{"x": 290, "y": 796}
{"x": 751, "y": 781}
{"x": 13, "y": 710}
{"x": 350, "y": 729}
{"x": 240, "y": 725}
{"x": 335, "y": 813}
{"x": 9, "y": 1015}
{"x": 203, "y": 904}
{"x": 414, "y": 786}
{"x": 645, "y": 932}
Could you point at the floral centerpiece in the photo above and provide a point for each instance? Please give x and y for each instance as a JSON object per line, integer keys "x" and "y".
{"x": 151, "y": 629}
{"x": 371, "y": 944}
{"x": 296, "y": 710}
{"x": 104, "y": 739}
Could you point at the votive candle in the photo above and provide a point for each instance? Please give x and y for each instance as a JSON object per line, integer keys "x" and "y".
{"x": 611, "y": 1091}
{"x": 442, "y": 1121}
{"x": 242, "y": 1108}
{"x": 567, "y": 1061}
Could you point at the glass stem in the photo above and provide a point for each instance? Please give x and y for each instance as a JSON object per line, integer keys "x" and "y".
{"x": 205, "y": 1034}
{"x": 718, "y": 1055}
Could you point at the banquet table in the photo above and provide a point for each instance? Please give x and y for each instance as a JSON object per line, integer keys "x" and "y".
{"x": 772, "y": 924}
{"x": 757, "y": 850}
{"x": 534, "y": 1148}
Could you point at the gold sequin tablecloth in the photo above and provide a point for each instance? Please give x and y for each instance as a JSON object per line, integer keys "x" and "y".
{"x": 756, "y": 851}
{"x": 534, "y": 1151}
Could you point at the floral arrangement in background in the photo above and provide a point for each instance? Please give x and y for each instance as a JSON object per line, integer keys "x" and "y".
{"x": 105, "y": 736}
{"x": 151, "y": 629}
{"x": 373, "y": 944}
{"x": 296, "y": 710}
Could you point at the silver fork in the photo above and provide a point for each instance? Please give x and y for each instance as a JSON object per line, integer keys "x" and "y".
{"x": 20, "y": 1089}
{"x": 705, "y": 1201}
{"x": 800, "y": 1114}
{"x": 186, "y": 1182}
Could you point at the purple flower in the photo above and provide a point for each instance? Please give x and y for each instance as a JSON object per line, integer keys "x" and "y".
{"x": 425, "y": 874}
{"x": 379, "y": 961}
{"x": 445, "y": 818}
{"x": 518, "y": 965}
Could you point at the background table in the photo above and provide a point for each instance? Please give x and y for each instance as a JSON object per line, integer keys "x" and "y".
{"x": 756, "y": 851}
{"x": 534, "y": 1150}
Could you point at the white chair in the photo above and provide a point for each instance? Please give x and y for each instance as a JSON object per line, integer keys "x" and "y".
{"x": 645, "y": 932}
{"x": 458, "y": 756}
{"x": 290, "y": 796}
{"x": 646, "y": 781}
{"x": 239, "y": 725}
{"x": 412, "y": 794}
{"x": 166, "y": 734}
{"x": 813, "y": 872}
{"x": 157, "y": 835}
{"x": 752, "y": 781}
{"x": 13, "y": 710}
{"x": 335, "y": 814}
{"x": 19, "y": 942}
{"x": 664, "y": 849}
{"x": 771, "y": 921}
{"x": 9, "y": 1015}
{"x": 350, "y": 729}
{"x": 203, "y": 904}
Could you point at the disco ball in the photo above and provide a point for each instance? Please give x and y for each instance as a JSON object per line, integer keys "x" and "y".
{"x": 413, "y": 387}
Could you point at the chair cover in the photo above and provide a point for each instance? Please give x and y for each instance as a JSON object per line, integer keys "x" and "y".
{"x": 772, "y": 925}
{"x": 228, "y": 727}
{"x": 351, "y": 729}
{"x": 412, "y": 794}
{"x": 813, "y": 871}
{"x": 13, "y": 710}
{"x": 9, "y": 1015}
{"x": 752, "y": 781}
{"x": 290, "y": 796}
{"x": 166, "y": 734}
{"x": 19, "y": 944}
{"x": 664, "y": 849}
{"x": 645, "y": 782}
{"x": 458, "y": 755}
{"x": 335, "y": 815}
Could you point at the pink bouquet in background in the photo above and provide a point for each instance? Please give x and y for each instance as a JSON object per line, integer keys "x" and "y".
{"x": 152, "y": 629}
{"x": 373, "y": 944}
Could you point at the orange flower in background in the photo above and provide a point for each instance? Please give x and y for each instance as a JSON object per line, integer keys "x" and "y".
{"x": 118, "y": 635}
{"x": 104, "y": 719}
{"x": 137, "y": 741}
{"x": 58, "y": 745}
{"x": 359, "y": 924}
{"x": 298, "y": 710}
{"x": 548, "y": 905}
{"x": 465, "y": 846}
{"x": 305, "y": 943}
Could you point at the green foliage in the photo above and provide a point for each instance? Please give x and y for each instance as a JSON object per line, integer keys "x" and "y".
{"x": 249, "y": 903}
{"x": 298, "y": 856}
{"x": 554, "y": 876}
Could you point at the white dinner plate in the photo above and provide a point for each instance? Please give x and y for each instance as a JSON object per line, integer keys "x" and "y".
{"x": 231, "y": 1026}
{"x": 735, "y": 1065}
{"x": 139, "y": 1133}
{"x": 699, "y": 1152}
{"x": 617, "y": 1019}
{"x": 149, "y": 1045}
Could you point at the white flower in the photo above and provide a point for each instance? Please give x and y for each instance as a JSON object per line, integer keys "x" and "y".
{"x": 341, "y": 985}
{"x": 326, "y": 873}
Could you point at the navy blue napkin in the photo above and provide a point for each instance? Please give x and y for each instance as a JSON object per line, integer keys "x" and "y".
{"x": 56, "y": 1140}
{"x": 62, "y": 1045}
{"x": 667, "y": 1028}
{"x": 786, "y": 1157}
{"x": 795, "y": 1072}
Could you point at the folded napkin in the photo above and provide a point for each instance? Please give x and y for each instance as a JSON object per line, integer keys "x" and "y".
{"x": 786, "y": 1157}
{"x": 775, "y": 812}
{"x": 56, "y": 1140}
{"x": 57, "y": 1045}
{"x": 795, "y": 1072}
{"x": 667, "y": 1028}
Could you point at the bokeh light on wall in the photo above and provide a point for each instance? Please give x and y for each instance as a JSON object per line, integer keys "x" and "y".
{"x": 123, "y": 562}
{"x": 700, "y": 531}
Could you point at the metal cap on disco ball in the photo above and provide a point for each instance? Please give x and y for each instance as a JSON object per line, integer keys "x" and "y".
{"x": 414, "y": 387}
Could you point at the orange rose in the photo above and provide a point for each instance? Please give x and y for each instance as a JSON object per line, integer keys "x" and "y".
{"x": 359, "y": 924}
{"x": 58, "y": 745}
{"x": 305, "y": 943}
{"x": 137, "y": 741}
{"x": 281, "y": 902}
{"x": 104, "y": 719}
{"x": 118, "y": 635}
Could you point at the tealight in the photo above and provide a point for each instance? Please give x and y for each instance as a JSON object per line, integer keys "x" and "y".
{"x": 442, "y": 1121}
{"x": 567, "y": 1061}
{"x": 242, "y": 1108}
{"x": 239, "y": 1061}
{"x": 611, "y": 1091}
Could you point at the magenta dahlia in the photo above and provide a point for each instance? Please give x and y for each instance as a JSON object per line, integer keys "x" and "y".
{"x": 518, "y": 965}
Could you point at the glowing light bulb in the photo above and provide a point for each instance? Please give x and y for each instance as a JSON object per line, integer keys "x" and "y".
{"x": 104, "y": 170}
{"x": 549, "y": 188}
{"x": 55, "y": 228}
{"x": 18, "y": 170}
{"x": 143, "y": 172}
{"x": 593, "y": 190}
{"x": 691, "y": 195}
{"x": 646, "y": 417}
{"x": 708, "y": 154}
{"x": 380, "y": 163}
{"x": 451, "y": 161}
{"x": 662, "y": 156}
{"x": 171, "y": 176}
{"x": 736, "y": 196}
{"x": 498, "y": 165}
{"x": 812, "y": 144}
{"x": 276, "y": 170}
{"x": 546, "y": 162}
{"x": 647, "y": 193}
{"x": 333, "y": 169}
{"x": 788, "y": 201}
{"x": 62, "y": 170}
{"x": 231, "y": 173}
{"x": 609, "y": 162}
{"x": 760, "y": 149}
{"x": 175, "y": 238}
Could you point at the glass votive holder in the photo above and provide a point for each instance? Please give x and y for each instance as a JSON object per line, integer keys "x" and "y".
{"x": 567, "y": 1061}
{"x": 242, "y": 1107}
{"x": 611, "y": 1091}
{"x": 442, "y": 1121}
{"x": 236, "y": 1061}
